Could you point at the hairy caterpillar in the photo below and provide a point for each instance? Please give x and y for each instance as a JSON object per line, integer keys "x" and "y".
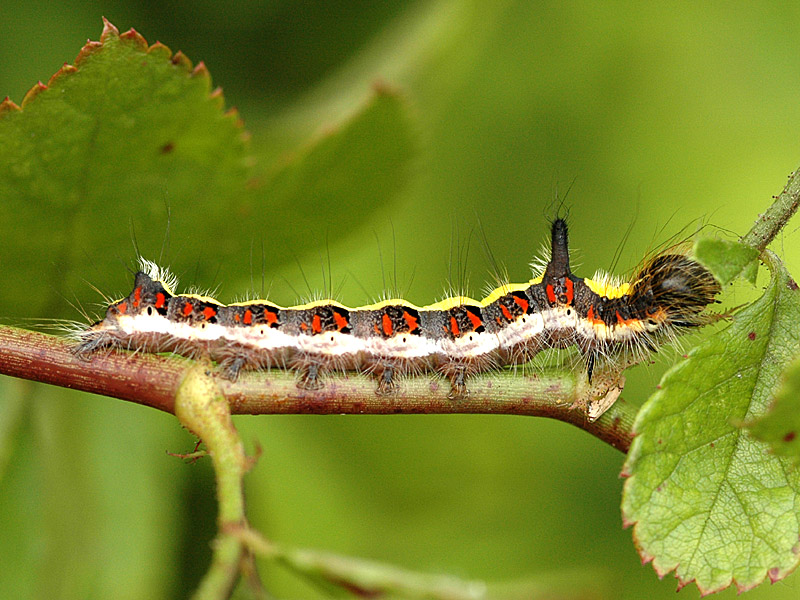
{"x": 457, "y": 337}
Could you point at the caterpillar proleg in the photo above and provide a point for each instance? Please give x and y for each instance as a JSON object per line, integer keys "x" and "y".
{"x": 455, "y": 338}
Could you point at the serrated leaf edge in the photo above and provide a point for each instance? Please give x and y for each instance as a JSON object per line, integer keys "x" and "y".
{"x": 135, "y": 39}
{"x": 774, "y": 574}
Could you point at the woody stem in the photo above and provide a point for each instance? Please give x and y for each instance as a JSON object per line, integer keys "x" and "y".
{"x": 153, "y": 380}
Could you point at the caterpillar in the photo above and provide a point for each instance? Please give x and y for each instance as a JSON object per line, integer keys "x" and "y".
{"x": 456, "y": 338}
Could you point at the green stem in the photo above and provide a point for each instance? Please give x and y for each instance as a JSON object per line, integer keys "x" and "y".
{"x": 201, "y": 408}
{"x": 363, "y": 577}
{"x": 371, "y": 579}
{"x": 773, "y": 220}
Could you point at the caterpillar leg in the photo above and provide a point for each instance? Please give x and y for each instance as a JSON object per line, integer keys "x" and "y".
{"x": 91, "y": 343}
{"x": 310, "y": 376}
{"x": 590, "y": 359}
{"x": 386, "y": 371}
{"x": 459, "y": 370}
{"x": 387, "y": 385}
{"x": 232, "y": 366}
{"x": 456, "y": 372}
{"x": 458, "y": 383}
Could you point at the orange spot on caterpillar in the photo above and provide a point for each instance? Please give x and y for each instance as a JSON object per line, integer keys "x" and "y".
{"x": 271, "y": 317}
{"x": 522, "y": 303}
{"x": 161, "y": 300}
{"x": 303, "y": 326}
{"x": 411, "y": 321}
{"x": 386, "y": 321}
{"x": 551, "y": 294}
{"x": 474, "y": 319}
{"x": 187, "y": 309}
{"x": 137, "y": 297}
{"x": 340, "y": 321}
{"x": 454, "y": 327}
{"x": 570, "y": 290}
{"x": 248, "y": 317}
{"x": 506, "y": 313}
{"x": 622, "y": 321}
{"x": 209, "y": 312}
{"x": 236, "y": 317}
{"x": 593, "y": 318}
{"x": 316, "y": 324}
{"x": 122, "y": 308}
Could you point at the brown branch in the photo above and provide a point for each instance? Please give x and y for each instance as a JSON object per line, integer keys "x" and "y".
{"x": 153, "y": 380}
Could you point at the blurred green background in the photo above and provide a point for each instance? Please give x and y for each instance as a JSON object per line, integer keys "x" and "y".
{"x": 661, "y": 116}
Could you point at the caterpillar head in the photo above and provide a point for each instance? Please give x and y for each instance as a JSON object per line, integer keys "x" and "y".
{"x": 149, "y": 296}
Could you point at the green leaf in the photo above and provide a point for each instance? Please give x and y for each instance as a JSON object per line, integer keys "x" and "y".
{"x": 726, "y": 259}
{"x": 706, "y": 499}
{"x": 126, "y": 130}
{"x": 781, "y": 425}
